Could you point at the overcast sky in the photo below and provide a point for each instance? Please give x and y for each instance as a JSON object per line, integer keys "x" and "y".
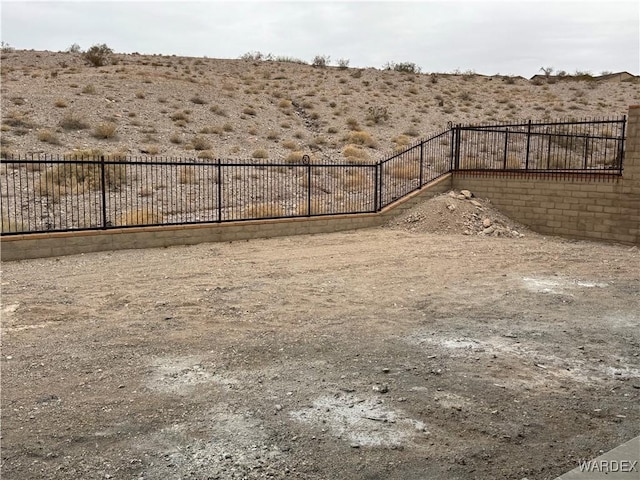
{"x": 507, "y": 37}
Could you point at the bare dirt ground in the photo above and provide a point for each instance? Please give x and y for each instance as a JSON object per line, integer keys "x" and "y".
{"x": 378, "y": 354}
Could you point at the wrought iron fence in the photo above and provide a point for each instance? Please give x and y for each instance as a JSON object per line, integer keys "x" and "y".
{"x": 574, "y": 146}
{"x": 47, "y": 193}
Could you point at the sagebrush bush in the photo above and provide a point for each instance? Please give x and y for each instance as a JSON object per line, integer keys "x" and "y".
{"x": 187, "y": 175}
{"x": 355, "y": 154}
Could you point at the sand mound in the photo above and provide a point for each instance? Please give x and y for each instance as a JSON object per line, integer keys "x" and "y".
{"x": 458, "y": 213}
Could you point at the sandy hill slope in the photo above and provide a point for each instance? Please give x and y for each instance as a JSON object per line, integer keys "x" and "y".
{"x": 172, "y": 106}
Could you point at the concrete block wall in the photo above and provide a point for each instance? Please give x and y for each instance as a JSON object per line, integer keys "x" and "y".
{"x": 39, "y": 245}
{"x": 593, "y": 207}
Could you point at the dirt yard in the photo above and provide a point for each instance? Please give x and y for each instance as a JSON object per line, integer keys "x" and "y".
{"x": 378, "y": 354}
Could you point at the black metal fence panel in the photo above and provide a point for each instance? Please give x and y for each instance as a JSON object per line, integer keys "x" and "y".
{"x": 45, "y": 194}
{"x": 593, "y": 145}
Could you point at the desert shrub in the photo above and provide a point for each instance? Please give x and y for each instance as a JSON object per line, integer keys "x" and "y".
{"x": 343, "y": 63}
{"x": 296, "y": 157}
{"x": 362, "y": 138}
{"x": 260, "y": 153}
{"x": 272, "y": 135}
{"x": 89, "y": 89}
{"x": 206, "y": 155}
{"x": 355, "y": 154}
{"x": 47, "y": 136}
{"x": 176, "y": 138}
{"x": 320, "y": 61}
{"x": 412, "y": 132}
{"x": 200, "y": 143}
{"x": 140, "y": 94}
{"x": 150, "y": 150}
{"x": 290, "y": 144}
{"x": 264, "y": 210}
{"x": 105, "y": 130}
{"x": 176, "y": 116}
{"x": 249, "y": 111}
{"x": 73, "y": 121}
{"x": 98, "y": 55}
{"x": 60, "y": 103}
{"x": 403, "y": 67}
{"x": 353, "y": 124}
{"x": 377, "y": 114}
{"x": 138, "y": 217}
{"x": 74, "y": 48}
{"x": 227, "y": 127}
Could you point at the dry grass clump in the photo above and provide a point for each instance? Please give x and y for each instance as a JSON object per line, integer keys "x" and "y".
{"x": 139, "y": 216}
{"x": 355, "y": 154}
{"x": 200, "y": 143}
{"x": 105, "y": 130}
{"x": 73, "y": 121}
{"x": 264, "y": 210}
{"x": 401, "y": 141}
{"x": 89, "y": 89}
{"x": 176, "y": 138}
{"x": 206, "y": 155}
{"x": 296, "y": 157}
{"x": 290, "y": 145}
{"x": 60, "y": 103}
{"x": 47, "y": 136}
{"x": 260, "y": 153}
{"x": 362, "y": 138}
{"x": 150, "y": 150}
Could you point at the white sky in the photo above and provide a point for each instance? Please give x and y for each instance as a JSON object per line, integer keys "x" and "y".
{"x": 508, "y": 37}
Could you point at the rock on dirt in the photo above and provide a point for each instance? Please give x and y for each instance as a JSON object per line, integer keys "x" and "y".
{"x": 458, "y": 213}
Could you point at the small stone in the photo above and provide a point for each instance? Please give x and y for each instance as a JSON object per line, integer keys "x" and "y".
{"x": 451, "y": 208}
{"x": 486, "y": 222}
{"x": 278, "y": 408}
{"x": 355, "y": 445}
{"x": 385, "y": 370}
{"x": 466, "y": 193}
{"x": 9, "y": 357}
{"x": 461, "y": 197}
{"x": 476, "y": 203}
{"x": 489, "y": 230}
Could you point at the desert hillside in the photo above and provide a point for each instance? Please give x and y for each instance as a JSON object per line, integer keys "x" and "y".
{"x": 55, "y": 103}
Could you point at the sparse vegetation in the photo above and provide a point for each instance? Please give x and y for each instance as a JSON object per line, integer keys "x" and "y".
{"x": 74, "y": 121}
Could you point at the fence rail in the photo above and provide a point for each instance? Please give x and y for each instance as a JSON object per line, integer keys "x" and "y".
{"x": 47, "y": 193}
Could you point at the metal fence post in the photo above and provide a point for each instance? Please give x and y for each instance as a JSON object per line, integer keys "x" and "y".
{"x": 506, "y": 147}
{"x": 526, "y": 161}
{"x": 621, "y": 144}
{"x": 376, "y": 193}
{"x": 220, "y": 183}
{"x": 421, "y": 164}
{"x": 306, "y": 159}
{"x": 103, "y": 181}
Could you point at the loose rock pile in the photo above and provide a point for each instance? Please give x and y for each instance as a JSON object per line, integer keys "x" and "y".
{"x": 458, "y": 213}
